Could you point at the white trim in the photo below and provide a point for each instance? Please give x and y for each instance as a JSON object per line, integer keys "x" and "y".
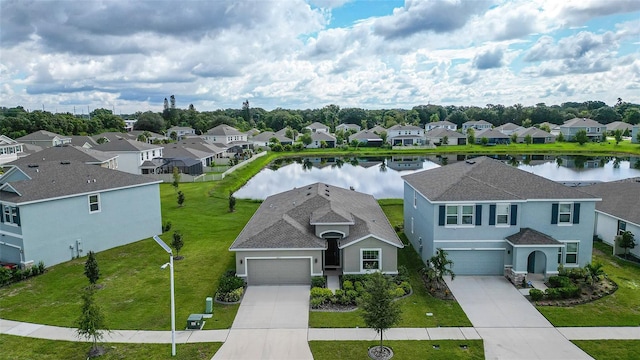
{"x": 467, "y": 241}
{"x": 373, "y": 237}
{"x": 460, "y": 215}
{"x": 535, "y": 246}
{"x": 363, "y": 270}
{"x": 333, "y": 231}
{"x": 361, "y": 273}
{"x": 617, "y": 218}
{"x": 98, "y": 202}
{"x": 474, "y": 249}
{"x": 332, "y": 223}
{"x": 6, "y": 233}
{"x": 279, "y": 249}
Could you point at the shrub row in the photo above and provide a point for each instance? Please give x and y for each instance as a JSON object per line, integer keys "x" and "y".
{"x": 230, "y": 287}
{"x": 9, "y": 276}
{"x": 352, "y": 289}
{"x": 568, "y": 292}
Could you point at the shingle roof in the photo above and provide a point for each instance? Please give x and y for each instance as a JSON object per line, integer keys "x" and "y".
{"x": 365, "y": 135}
{"x": 122, "y": 144}
{"x": 491, "y": 134}
{"x": 508, "y": 126}
{"x": 405, "y": 127}
{"x": 267, "y": 135}
{"x": 486, "y": 179}
{"x": 440, "y": 132}
{"x": 66, "y": 153}
{"x": 316, "y": 125}
{"x": 581, "y": 122}
{"x": 41, "y": 135}
{"x": 224, "y": 130}
{"x": 81, "y": 140}
{"x": 441, "y": 123}
{"x": 53, "y": 179}
{"x": 283, "y": 221}
{"x": 619, "y": 198}
{"x": 534, "y": 132}
{"x": 619, "y": 125}
{"x": 527, "y": 236}
{"x": 322, "y": 136}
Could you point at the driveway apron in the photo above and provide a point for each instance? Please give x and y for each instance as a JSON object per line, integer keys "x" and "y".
{"x": 511, "y": 327}
{"x": 271, "y": 323}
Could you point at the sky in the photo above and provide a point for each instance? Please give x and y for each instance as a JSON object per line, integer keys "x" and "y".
{"x": 127, "y": 56}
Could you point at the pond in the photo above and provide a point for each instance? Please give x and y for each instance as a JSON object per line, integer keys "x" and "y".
{"x": 381, "y": 176}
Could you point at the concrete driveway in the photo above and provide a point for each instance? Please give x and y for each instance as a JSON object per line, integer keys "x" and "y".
{"x": 510, "y": 326}
{"x": 271, "y": 323}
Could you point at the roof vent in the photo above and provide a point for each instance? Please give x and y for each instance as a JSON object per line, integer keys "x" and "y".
{"x": 88, "y": 181}
{"x": 94, "y": 180}
{"x": 470, "y": 162}
{"x": 65, "y": 162}
{"x": 33, "y": 165}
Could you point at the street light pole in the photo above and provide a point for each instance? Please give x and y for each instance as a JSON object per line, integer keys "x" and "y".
{"x": 173, "y": 304}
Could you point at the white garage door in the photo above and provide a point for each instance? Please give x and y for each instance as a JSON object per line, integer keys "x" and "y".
{"x": 477, "y": 262}
{"x": 278, "y": 271}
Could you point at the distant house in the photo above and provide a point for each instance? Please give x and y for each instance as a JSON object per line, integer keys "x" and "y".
{"x": 227, "y": 136}
{"x": 10, "y": 149}
{"x": 44, "y": 139}
{"x": 181, "y": 131}
{"x": 315, "y": 229}
{"x": 619, "y": 211}
{"x": 264, "y": 138}
{"x": 347, "y": 127}
{"x": 509, "y": 128}
{"x": 134, "y": 157}
{"x": 634, "y": 134}
{"x": 436, "y": 136}
{"x": 476, "y": 125}
{"x": 367, "y": 137}
{"x": 494, "y": 219}
{"x": 538, "y": 136}
{"x": 283, "y": 132}
{"x": 493, "y": 137}
{"x": 317, "y": 127}
{"x": 318, "y": 138}
{"x": 378, "y": 129}
{"x": 68, "y": 152}
{"x": 441, "y": 125}
{"x": 555, "y": 128}
{"x": 405, "y": 135}
{"x": 194, "y": 149}
{"x": 149, "y": 135}
{"x": 595, "y": 130}
{"x": 619, "y": 125}
{"x": 84, "y": 141}
{"x": 54, "y": 211}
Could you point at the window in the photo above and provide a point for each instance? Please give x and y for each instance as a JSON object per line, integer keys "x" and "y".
{"x": 11, "y": 215}
{"x": 502, "y": 214}
{"x": 460, "y": 215}
{"x": 94, "y": 203}
{"x": 564, "y": 213}
{"x": 142, "y": 156}
{"x": 370, "y": 259}
{"x": 622, "y": 227}
{"x": 571, "y": 253}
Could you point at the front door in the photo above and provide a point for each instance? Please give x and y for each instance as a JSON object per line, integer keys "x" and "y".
{"x": 332, "y": 254}
{"x": 531, "y": 263}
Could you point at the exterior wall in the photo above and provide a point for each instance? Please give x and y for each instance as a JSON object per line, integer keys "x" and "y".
{"x": 607, "y": 228}
{"x": 351, "y": 256}
{"x": 315, "y": 258}
{"x": 421, "y": 237}
{"x": 634, "y": 134}
{"x": 50, "y": 228}
{"x": 549, "y": 263}
{"x": 129, "y": 162}
{"x": 338, "y": 228}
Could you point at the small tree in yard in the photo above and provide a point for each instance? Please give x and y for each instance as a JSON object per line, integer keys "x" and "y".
{"x": 379, "y": 310}
{"x": 232, "y": 202}
{"x": 177, "y": 244}
{"x": 91, "y": 269}
{"x": 594, "y": 271}
{"x": 91, "y": 323}
{"x": 581, "y": 137}
{"x": 176, "y": 178}
{"x": 439, "y": 266}
{"x": 180, "y": 198}
{"x": 618, "y": 136}
{"x": 626, "y": 241}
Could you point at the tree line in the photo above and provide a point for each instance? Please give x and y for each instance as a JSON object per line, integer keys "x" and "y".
{"x": 16, "y": 122}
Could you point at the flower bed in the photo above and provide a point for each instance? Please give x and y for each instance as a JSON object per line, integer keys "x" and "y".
{"x": 230, "y": 288}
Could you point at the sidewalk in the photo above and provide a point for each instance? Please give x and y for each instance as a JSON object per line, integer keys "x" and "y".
{"x": 10, "y": 327}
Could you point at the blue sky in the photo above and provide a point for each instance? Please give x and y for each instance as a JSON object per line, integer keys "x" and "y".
{"x": 301, "y": 54}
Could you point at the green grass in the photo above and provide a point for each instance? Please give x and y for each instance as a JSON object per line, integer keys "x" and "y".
{"x": 21, "y": 348}
{"x": 414, "y": 307}
{"x": 622, "y": 308}
{"x": 610, "y": 349}
{"x": 410, "y": 350}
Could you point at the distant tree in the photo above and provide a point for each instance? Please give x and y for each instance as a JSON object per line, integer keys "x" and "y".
{"x": 149, "y": 121}
{"x": 632, "y": 116}
{"x": 180, "y": 198}
{"x": 435, "y": 117}
{"x": 91, "y": 269}
{"x": 177, "y": 243}
{"x": 176, "y": 178}
{"x": 323, "y": 144}
{"x": 560, "y": 137}
{"x": 232, "y": 202}
{"x": 545, "y": 128}
{"x": 445, "y": 140}
{"x": 514, "y": 138}
{"x": 142, "y": 138}
{"x": 355, "y": 143}
{"x": 91, "y": 323}
{"x": 618, "y": 136}
{"x": 102, "y": 140}
{"x": 439, "y": 266}
{"x": 166, "y": 227}
{"x": 526, "y": 123}
{"x": 528, "y": 139}
{"x": 471, "y": 136}
{"x": 627, "y": 241}
{"x": 384, "y": 136}
{"x": 379, "y": 310}
{"x": 484, "y": 141}
{"x": 306, "y": 139}
{"x": 581, "y": 137}
{"x": 638, "y": 137}
{"x": 173, "y": 136}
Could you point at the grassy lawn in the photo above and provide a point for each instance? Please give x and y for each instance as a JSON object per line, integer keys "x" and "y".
{"x": 20, "y": 348}
{"x": 136, "y": 291}
{"x": 622, "y": 308}
{"x": 610, "y": 349}
{"x": 414, "y": 307}
{"x": 410, "y": 350}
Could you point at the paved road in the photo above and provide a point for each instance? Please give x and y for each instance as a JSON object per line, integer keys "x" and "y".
{"x": 510, "y": 326}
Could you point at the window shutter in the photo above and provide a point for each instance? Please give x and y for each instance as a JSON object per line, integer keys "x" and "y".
{"x": 576, "y": 213}
{"x": 18, "y": 216}
{"x": 478, "y": 215}
{"x": 492, "y": 214}
{"x": 514, "y": 214}
{"x": 554, "y": 213}
{"x": 441, "y": 215}
{"x": 1, "y": 213}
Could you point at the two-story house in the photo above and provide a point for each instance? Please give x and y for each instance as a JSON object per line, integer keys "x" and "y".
{"x": 134, "y": 157}
{"x": 320, "y": 138}
{"x": 348, "y": 127}
{"x": 317, "y": 127}
{"x": 509, "y": 128}
{"x": 228, "y": 137}
{"x": 443, "y": 136}
{"x": 441, "y": 125}
{"x": 493, "y": 219}
{"x": 595, "y": 131}
{"x": 44, "y": 139}
{"x": 405, "y": 135}
{"x": 181, "y": 131}
{"x": 312, "y": 230}
{"x": 53, "y": 211}
{"x": 476, "y": 125}
{"x": 10, "y": 149}
{"x": 72, "y": 153}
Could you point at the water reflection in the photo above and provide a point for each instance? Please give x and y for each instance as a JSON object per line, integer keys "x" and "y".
{"x": 381, "y": 176}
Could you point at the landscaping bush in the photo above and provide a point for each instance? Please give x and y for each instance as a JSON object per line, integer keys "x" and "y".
{"x": 288, "y": 147}
{"x": 406, "y": 286}
{"x": 230, "y": 283}
{"x": 355, "y": 278}
{"x": 403, "y": 275}
{"x": 559, "y": 281}
{"x": 230, "y": 287}
{"x": 563, "y": 292}
{"x": 398, "y": 292}
{"x": 352, "y": 295}
{"x": 321, "y": 293}
{"x": 347, "y": 285}
{"x": 316, "y": 302}
{"x": 536, "y": 294}
{"x": 577, "y": 274}
{"x": 318, "y": 281}
{"x": 5, "y": 276}
{"x": 232, "y": 296}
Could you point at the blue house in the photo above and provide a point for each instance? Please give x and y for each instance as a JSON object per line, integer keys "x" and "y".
{"x": 493, "y": 219}
{"x": 53, "y": 210}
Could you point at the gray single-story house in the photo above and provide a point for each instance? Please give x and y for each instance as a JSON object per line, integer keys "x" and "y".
{"x": 308, "y": 231}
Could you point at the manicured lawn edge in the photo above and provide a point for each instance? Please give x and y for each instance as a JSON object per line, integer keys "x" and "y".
{"x": 406, "y": 349}
{"x": 610, "y": 349}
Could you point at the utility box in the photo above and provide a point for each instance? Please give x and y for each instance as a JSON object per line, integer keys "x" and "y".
{"x": 209, "y": 306}
{"x": 194, "y": 322}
